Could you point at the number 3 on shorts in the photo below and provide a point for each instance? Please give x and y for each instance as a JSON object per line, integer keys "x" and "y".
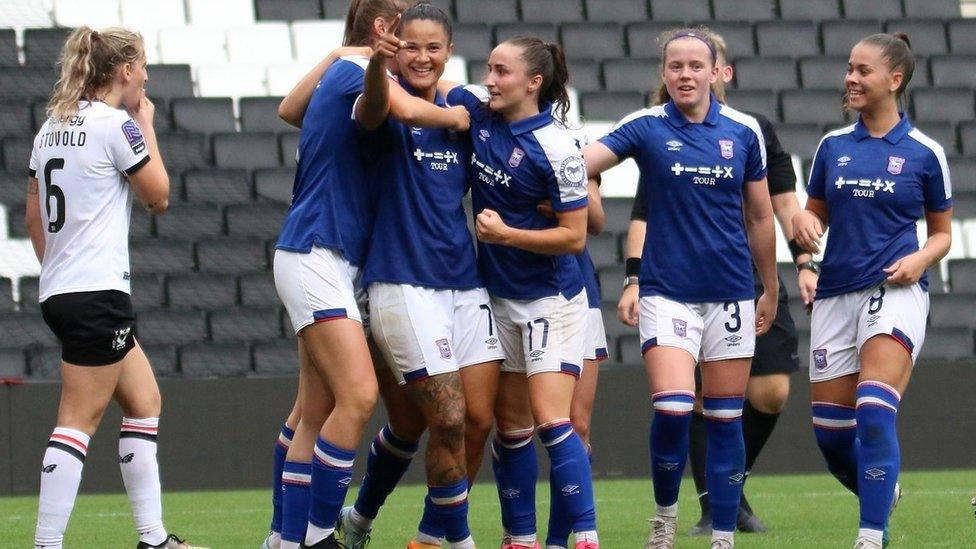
{"x": 730, "y": 327}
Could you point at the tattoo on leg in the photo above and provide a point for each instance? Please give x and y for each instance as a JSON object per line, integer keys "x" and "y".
{"x": 441, "y": 398}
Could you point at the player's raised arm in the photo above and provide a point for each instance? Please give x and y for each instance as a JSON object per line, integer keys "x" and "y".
{"x": 149, "y": 180}
{"x": 292, "y": 108}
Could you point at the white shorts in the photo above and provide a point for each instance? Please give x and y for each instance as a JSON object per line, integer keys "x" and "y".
{"x": 424, "y": 332}
{"x": 841, "y": 324}
{"x": 708, "y": 331}
{"x": 542, "y": 335}
{"x": 596, "y": 336}
{"x": 318, "y": 286}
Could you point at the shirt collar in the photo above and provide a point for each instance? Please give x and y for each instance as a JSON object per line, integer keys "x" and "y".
{"x": 677, "y": 118}
{"x": 893, "y": 136}
{"x": 533, "y": 122}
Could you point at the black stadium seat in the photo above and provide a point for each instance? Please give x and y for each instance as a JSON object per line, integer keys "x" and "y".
{"x": 13, "y": 362}
{"x": 260, "y": 114}
{"x": 952, "y": 310}
{"x": 954, "y": 71}
{"x": 160, "y": 255}
{"x": 758, "y": 101}
{"x": 749, "y": 10}
{"x": 17, "y": 151}
{"x": 13, "y": 188}
{"x": 787, "y": 38}
{"x": 479, "y": 11}
{"x": 680, "y": 10}
{"x": 928, "y": 36}
{"x": 809, "y": 10}
{"x": 246, "y": 150}
{"x": 611, "y": 282}
{"x": 765, "y": 73}
{"x": 258, "y": 290}
{"x": 616, "y": 10}
{"x": 231, "y": 255}
{"x": 288, "y": 147}
{"x": 42, "y": 47}
{"x": 182, "y": 151}
{"x": 947, "y": 344}
{"x": 823, "y": 73}
{"x": 203, "y": 114}
{"x": 276, "y": 358}
{"x": 962, "y": 276}
{"x": 812, "y": 106}
{"x": 148, "y": 292}
{"x": 15, "y": 118}
{"x": 142, "y": 224}
{"x": 603, "y": 249}
{"x": 937, "y": 282}
{"x": 6, "y": 294}
{"x": 215, "y": 359}
{"x": 963, "y": 170}
{"x": 29, "y": 291}
{"x": 39, "y": 114}
{"x": 872, "y": 9}
{"x": 942, "y": 9}
{"x": 962, "y": 36}
{"x": 260, "y": 220}
{"x": 26, "y": 83}
{"x": 25, "y": 329}
{"x": 163, "y": 359}
{"x": 738, "y": 35}
{"x": 217, "y": 186}
{"x": 610, "y": 106}
{"x": 472, "y": 40}
{"x": 554, "y": 11}
{"x": 644, "y": 38}
{"x": 335, "y": 9}
{"x": 190, "y": 222}
{"x": 545, "y": 31}
{"x": 967, "y": 144}
{"x": 201, "y": 291}
{"x": 943, "y": 104}
{"x": 584, "y": 75}
{"x": 943, "y": 133}
{"x": 617, "y": 211}
{"x": 631, "y": 74}
{"x": 245, "y": 324}
{"x": 838, "y": 37}
{"x": 8, "y": 48}
{"x": 287, "y": 10}
{"x": 44, "y": 362}
{"x": 592, "y": 40}
{"x": 169, "y": 82}
{"x": 629, "y": 348}
{"x": 274, "y": 184}
{"x": 964, "y": 205}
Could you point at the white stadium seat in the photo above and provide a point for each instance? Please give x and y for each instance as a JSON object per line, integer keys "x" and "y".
{"x": 145, "y": 16}
{"x": 25, "y": 13}
{"x": 969, "y": 237}
{"x": 313, "y": 40}
{"x": 94, "y": 13}
{"x": 17, "y": 259}
{"x": 261, "y": 43}
{"x": 220, "y": 13}
{"x": 621, "y": 180}
{"x": 456, "y": 70}
{"x": 282, "y": 78}
{"x": 150, "y": 39}
{"x": 3, "y": 222}
{"x": 230, "y": 80}
{"x": 191, "y": 44}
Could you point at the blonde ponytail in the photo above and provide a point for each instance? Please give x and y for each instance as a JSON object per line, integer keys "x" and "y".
{"x": 88, "y": 63}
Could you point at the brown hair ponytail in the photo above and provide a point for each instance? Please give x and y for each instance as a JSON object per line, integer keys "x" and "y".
{"x": 548, "y": 60}
{"x": 360, "y": 17}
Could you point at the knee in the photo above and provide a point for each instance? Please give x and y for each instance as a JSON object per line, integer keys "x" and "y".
{"x": 409, "y": 427}
{"x": 582, "y": 427}
{"x": 148, "y": 404}
{"x": 449, "y": 423}
{"x": 358, "y": 405}
{"x": 477, "y": 423}
{"x": 771, "y": 397}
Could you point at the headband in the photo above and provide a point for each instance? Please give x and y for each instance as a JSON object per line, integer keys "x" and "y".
{"x": 696, "y": 35}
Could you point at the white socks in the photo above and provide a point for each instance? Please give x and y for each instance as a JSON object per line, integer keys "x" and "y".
{"x": 60, "y": 477}
{"x": 140, "y": 474}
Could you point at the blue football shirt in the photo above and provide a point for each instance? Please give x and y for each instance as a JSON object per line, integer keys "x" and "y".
{"x": 875, "y": 190}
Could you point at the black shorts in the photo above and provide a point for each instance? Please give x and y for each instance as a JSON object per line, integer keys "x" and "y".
{"x": 94, "y": 328}
{"x": 776, "y": 351}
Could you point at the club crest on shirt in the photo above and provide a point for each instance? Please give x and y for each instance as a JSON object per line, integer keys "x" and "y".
{"x": 820, "y": 358}
{"x": 516, "y": 158}
{"x": 895, "y": 164}
{"x": 444, "y": 346}
{"x": 680, "y": 327}
{"x": 483, "y": 135}
{"x": 726, "y": 148}
{"x": 573, "y": 172}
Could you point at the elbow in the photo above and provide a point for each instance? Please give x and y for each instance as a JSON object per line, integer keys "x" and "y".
{"x": 577, "y": 244}
{"x": 595, "y": 226}
{"x": 157, "y": 207}
{"x": 288, "y": 115}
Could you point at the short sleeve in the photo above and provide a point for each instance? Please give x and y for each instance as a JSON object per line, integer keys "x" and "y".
{"x": 816, "y": 185}
{"x": 126, "y": 145}
{"x": 756, "y": 159}
{"x": 638, "y": 211}
{"x": 938, "y": 184}
{"x": 32, "y": 164}
{"x": 562, "y": 165}
{"x": 470, "y": 97}
{"x": 625, "y": 138}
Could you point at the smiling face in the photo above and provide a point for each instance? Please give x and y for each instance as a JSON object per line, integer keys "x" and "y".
{"x": 511, "y": 87}
{"x": 688, "y": 72}
{"x": 423, "y": 60}
{"x": 870, "y": 82}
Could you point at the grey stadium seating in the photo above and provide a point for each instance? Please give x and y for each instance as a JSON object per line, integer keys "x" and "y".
{"x": 872, "y": 9}
{"x": 548, "y": 32}
{"x": 681, "y": 10}
{"x": 276, "y": 358}
{"x": 754, "y": 101}
{"x": 766, "y": 73}
{"x": 8, "y": 48}
{"x": 287, "y": 10}
{"x": 744, "y": 10}
{"x": 592, "y": 40}
{"x": 478, "y": 11}
{"x": 787, "y": 38}
{"x": 838, "y": 37}
{"x": 246, "y": 150}
{"x": 809, "y": 10}
{"x": 42, "y": 47}
{"x": 203, "y": 291}
{"x": 245, "y": 324}
{"x": 168, "y": 82}
{"x": 616, "y": 10}
{"x": 584, "y": 75}
{"x": 260, "y": 114}
{"x": 552, "y": 11}
{"x": 203, "y": 114}
{"x": 928, "y": 36}
{"x": 610, "y": 105}
{"x": 218, "y": 186}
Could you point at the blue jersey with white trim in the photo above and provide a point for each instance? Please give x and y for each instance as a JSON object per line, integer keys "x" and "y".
{"x": 696, "y": 249}
{"x": 420, "y": 234}
{"x": 590, "y": 281}
{"x": 875, "y": 190}
{"x": 331, "y": 203}
{"x": 512, "y": 168}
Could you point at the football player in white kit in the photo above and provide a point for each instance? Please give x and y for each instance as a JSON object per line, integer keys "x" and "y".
{"x": 97, "y": 146}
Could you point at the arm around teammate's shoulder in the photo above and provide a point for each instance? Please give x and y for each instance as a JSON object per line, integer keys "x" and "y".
{"x": 148, "y": 177}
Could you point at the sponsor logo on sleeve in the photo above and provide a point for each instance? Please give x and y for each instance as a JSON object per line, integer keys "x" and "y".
{"x": 134, "y": 137}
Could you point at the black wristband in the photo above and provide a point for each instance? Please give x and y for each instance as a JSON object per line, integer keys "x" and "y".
{"x": 795, "y": 249}
{"x": 633, "y": 266}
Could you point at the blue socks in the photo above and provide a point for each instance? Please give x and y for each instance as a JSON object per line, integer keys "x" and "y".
{"x": 669, "y": 444}
{"x": 280, "y": 451}
{"x": 836, "y": 430}
{"x": 389, "y": 458}
{"x": 516, "y": 469}
{"x": 331, "y": 475}
{"x": 296, "y": 478}
{"x": 879, "y": 460}
{"x": 570, "y": 479}
{"x": 449, "y": 504}
{"x": 726, "y": 459}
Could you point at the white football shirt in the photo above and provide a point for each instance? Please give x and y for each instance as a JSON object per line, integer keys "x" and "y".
{"x": 85, "y": 198}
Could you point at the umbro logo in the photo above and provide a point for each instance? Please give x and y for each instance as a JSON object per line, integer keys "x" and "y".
{"x": 537, "y": 353}
{"x": 570, "y": 489}
{"x": 843, "y": 161}
{"x": 484, "y": 135}
{"x": 874, "y": 474}
{"x": 674, "y": 145}
{"x": 736, "y": 478}
{"x": 345, "y": 481}
{"x": 668, "y": 465}
{"x": 127, "y": 458}
{"x": 733, "y": 339}
{"x": 511, "y": 493}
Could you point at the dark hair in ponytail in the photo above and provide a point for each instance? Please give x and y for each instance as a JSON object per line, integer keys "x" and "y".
{"x": 896, "y": 49}
{"x": 548, "y": 60}
{"x": 425, "y": 11}
{"x": 360, "y": 17}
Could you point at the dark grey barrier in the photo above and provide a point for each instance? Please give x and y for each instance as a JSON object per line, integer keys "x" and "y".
{"x": 218, "y": 433}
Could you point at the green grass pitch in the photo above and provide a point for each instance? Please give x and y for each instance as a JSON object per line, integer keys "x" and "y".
{"x": 809, "y": 511}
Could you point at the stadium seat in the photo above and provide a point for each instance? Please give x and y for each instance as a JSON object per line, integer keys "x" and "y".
{"x": 738, "y": 35}
{"x": 681, "y": 10}
{"x": 603, "y": 249}
{"x": 276, "y": 358}
{"x": 245, "y": 324}
{"x": 162, "y": 14}
{"x": 205, "y": 291}
{"x": 246, "y": 150}
{"x": 947, "y": 344}
{"x": 25, "y": 13}
{"x": 190, "y": 221}
{"x": 220, "y": 13}
{"x": 25, "y": 329}
{"x": 26, "y": 83}
{"x": 937, "y": 282}
{"x": 614, "y": 327}
{"x": 749, "y": 10}
{"x": 8, "y": 48}
{"x": 230, "y": 80}
{"x": 215, "y": 360}
{"x": 952, "y": 310}
{"x": 610, "y": 105}
{"x": 631, "y": 74}
{"x": 15, "y": 118}
{"x": 964, "y": 205}
{"x": 941, "y": 9}
{"x": 823, "y": 73}
{"x": 943, "y": 104}
{"x": 477, "y": 70}
{"x": 809, "y": 10}
{"x": 335, "y": 9}
{"x": 260, "y": 220}
{"x": 29, "y": 291}
{"x": 217, "y": 186}
{"x": 313, "y": 40}
{"x": 286, "y": 322}
{"x": 45, "y": 362}
{"x": 943, "y": 133}
{"x": 552, "y": 11}
{"x": 643, "y": 38}
{"x": 159, "y": 255}
{"x": 954, "y": 71}
{"x": 838, "y": 37}
{"x": 258, "y": 290}
{"x": 182, "y": 151}
{"x": 148, "y": 292}
{"x": 17, "y": 151}
{"x": 592, "y": 40}
{"x": 962, "y": 276}
{"x": 13, "y": 189}
{"x": 42, "y": 47}
{"x": 282, "y": 78}
{"x": 962, "y": 36}
{"x": 260, "y": 43}
{"x": 616, "y": 11}
{"x": 13, "y": 362}
{"x": 231, "y": 255}
{"x": 288, "y": 147}
{"x": 617, "y": 212}
{"x": 963, "y": 170}
{"x": 287, "y": 10}
{"x": 192, "y": 44}
{"x": 922, "y": 77}
{"x": 472, "y": 40}
{"x": 928, "y": 36}
{"x": 97, "y": 14}
{"x": 787, "y": 38}
{"x": 274, "y": 184}
{"x": 812, "y": 106}
{"x": 260, "y": 114}
{"x": 545, "y": 31}
{"x": 479, "y": 11}
{"x": 765, "y": 73}
{"x": 142, "y": 224}
{"x": 872, "y": 9}
{"x": 754, "y": 101}
{"x": 584, "y": 75}
{"x": 611, "y": 282}
{"x": 163, "y": 359}
{"x": 203, "y": 114}
{"x": 39, "y": 115}
{"x": 6, "y": 294}
{"x": 169, "y": 81}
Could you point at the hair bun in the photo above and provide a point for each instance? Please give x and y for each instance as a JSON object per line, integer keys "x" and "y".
{"x": 904, "y": 37}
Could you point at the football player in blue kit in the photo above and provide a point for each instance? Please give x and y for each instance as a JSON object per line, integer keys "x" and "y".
{"x": 869, "y": 183}
{"x": 704, "y": 167}
{"x": 522, "y": 153}
{"x": 320, "y": 250}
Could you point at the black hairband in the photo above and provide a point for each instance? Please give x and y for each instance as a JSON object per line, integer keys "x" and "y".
{"x": 693, "y": 34}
